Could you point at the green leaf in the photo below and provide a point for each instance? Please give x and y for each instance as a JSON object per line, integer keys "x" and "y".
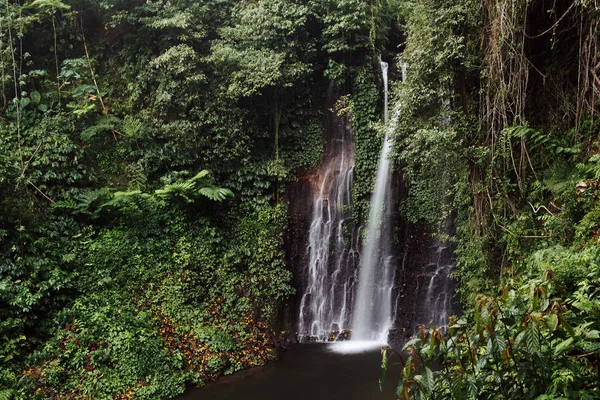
{"x": 428, "y": 381}
{"x": 593, "y": 335}
{"x": 472, "y": 387}
{"x": 563, "y": 346}
{"x": 384, "y": 364}
{"x": 569, "y": 328}
{"x": 25, "y": 101}
{"x": 400, "y": 388}
{"x": 532, "y": 338}
{"x": 552, "y": 321}
{"x": 7, "y": 394}
{"x": 35, "y": 97}
{"x": 410, "y": 343}
{"x": 131, "y": 126}
{"x": 199, "y": 175}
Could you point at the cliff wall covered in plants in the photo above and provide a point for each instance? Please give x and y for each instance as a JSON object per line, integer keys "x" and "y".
{"x": 500, "y": 131}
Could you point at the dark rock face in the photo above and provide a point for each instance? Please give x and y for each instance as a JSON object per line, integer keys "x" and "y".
{"x": 300, "y": 211}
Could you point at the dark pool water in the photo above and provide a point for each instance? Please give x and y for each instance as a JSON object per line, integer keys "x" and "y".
{"x": 307, "y": 372}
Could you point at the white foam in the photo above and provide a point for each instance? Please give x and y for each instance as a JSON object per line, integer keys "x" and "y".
{"x": 356, "y": 346}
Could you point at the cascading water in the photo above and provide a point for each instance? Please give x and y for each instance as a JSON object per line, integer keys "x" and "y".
{"x": 377, "y": 305}
{"x": 326, "y": 303}
{"x": 373, "y": 315}
{"x": 439, "y": 291}
{"x": 436, "y": 285}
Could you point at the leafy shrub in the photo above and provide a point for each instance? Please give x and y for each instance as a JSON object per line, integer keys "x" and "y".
{"x": 528, "y": 343}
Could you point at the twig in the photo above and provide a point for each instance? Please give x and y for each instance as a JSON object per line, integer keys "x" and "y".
{"x": 92, "y": 71}
{"x": 554, "y": 25}
{"x": 536, "y": 237}
{"x": 58, "y": 86}
{"x": 505, "y": 229}
{"x": 536, "y": 210}
{"x": 14, "y": 65}
{"x": 30, "y": 158}
{"x": 583, "y": 355}
{"x": 555, "y": 206}
{"x": 42, "y": 193}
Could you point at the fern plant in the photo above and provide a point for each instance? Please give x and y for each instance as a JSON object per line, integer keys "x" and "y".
{"x": 192, "y": 188}
{"x": 592, "y": 167}
{"x": 94, "y": 202}
{"x": 7, "y": 394}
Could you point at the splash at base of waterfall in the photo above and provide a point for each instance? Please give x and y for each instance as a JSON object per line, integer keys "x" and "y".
{"x": 356, "y": 346}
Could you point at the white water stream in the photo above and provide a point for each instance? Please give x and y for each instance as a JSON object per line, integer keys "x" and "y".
{"x": 373, "y": 316}
{"x": 326, "y": 303}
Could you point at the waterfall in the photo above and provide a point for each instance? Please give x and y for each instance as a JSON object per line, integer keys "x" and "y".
{"x": 339, "y": 295}
{"x": 325, "y": 305}
{"x": 373, "y": 316}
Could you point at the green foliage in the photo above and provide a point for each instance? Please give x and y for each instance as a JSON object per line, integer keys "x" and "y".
{"x": 346, "y": 26}
{"x": 191, "y": 188}
{"x": 120, "y": 274}
{"x": 367, "y": 139}
{"x": 51, "y": 4}
{"x": 429, "y": 134}
{"x": 529, "y": 334}
{"x": 262, "y": 49}
{"x": 141, "y": 290}
{"x": 116, "y": 345}
{"x": 479, "y": 140}
{"x": 435, "y": 167}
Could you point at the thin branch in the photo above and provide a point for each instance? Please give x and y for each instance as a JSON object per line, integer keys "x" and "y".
{"x": 42, "y": 193}
{"x": 554, "y": 25}
{"x": 56, "y": 57}
{"x": 104, "y": 110}
{"x": 536, "y": 210}
{"x": 30, "y": 158}
{"x": 535, "y": 237}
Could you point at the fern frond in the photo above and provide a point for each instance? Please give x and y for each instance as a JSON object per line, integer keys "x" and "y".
{"x": 84, "y": 201}
{"x": 131, "y": 126}
{"x": 190, "y": 189}
{"x": 216, "y": 193}
{"x": 104, "y": 124}
{"x": 120, "y": 198}
{"x": 200, "y": 175}
{"x": 181, "y": 189}
{"x": 137, "y": 175}
{"x": 49, "y": 4}
{"x": 7, "y": 394}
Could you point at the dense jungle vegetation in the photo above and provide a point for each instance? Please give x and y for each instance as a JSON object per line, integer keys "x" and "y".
{"x": 146, "y": 146}
{"x": 500, "y": 132}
